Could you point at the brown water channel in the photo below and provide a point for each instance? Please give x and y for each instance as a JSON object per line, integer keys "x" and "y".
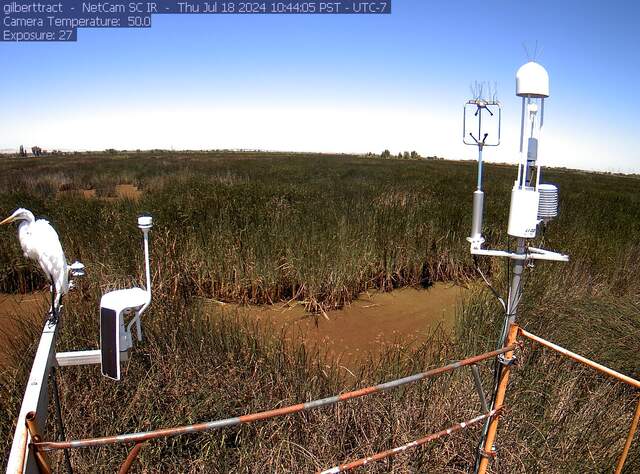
{"x": 18, "y": 309}
{"x": 350, "y": 335}
{"x": 121, "y": 191}
{"x": 367, "y": 326}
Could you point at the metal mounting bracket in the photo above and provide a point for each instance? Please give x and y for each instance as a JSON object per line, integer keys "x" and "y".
{"x": 507, "y": 362}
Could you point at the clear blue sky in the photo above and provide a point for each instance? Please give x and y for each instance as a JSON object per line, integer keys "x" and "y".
{"x": 333, "y": 83}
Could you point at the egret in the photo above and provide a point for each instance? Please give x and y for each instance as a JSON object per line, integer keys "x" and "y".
{"x": 40, "y": 242}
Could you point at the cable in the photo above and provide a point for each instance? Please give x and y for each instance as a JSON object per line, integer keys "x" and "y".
{"x": 488, "y": 283}
{"x": 62, "y": 435}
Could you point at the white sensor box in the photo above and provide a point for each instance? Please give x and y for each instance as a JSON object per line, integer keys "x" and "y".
{"x": 523, "y": 215}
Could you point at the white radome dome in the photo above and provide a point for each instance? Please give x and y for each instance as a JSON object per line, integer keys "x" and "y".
{"x": 532, "y": 80}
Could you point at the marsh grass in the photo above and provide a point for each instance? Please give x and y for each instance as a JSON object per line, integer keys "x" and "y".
{"x": 257, "y": 228}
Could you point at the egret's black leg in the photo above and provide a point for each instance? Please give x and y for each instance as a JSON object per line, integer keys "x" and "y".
{"x": 53, "y": 316}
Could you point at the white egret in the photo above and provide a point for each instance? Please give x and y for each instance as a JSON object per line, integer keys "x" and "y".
{"x": 40, "y": 242}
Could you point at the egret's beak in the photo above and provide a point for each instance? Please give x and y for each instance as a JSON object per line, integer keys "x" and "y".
{"x": 8, "y": 220}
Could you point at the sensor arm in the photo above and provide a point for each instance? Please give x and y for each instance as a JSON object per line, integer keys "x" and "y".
{"x": 532, "y": 253}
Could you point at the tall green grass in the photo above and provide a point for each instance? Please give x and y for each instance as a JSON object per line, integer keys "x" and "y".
{"x": 257, "y": 228}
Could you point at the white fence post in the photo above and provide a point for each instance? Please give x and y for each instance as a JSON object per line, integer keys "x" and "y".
{"x": 36, "y": 399}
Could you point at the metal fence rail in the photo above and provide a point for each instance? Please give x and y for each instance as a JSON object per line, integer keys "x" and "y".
{"x": 31, "y": 446}
{"x": 413, "y": 444}
{"x": 604, "y": 370}
{"x": 578, "y": 358}
{"x": 264, "y": 415}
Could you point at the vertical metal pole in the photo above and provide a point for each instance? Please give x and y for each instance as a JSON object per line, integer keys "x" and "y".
{"x": 515, "y": 294}
{"x": 126, "y": 465}
{"x": 520, "y": 165}
{"x": 480, "y": 147}
{"x": 146, "y": 259}
{"x": 627, "y": 445}
{"x": 478, "y": 195}
{"x": 498, "y": 402}
{"x": 147, "y": 271}
{"x": 41, "y": 461}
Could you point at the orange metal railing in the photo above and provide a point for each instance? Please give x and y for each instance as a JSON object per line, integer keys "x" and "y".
{"x": 578, "y": 358}
{"x": 413, "y": 444}
{"x": 604, "y": 370}
{"x": 516, "y": 331}
{"x": 40, "y": 447}
{"x": 627, "y": 444}
{"x": 264, "y": 415}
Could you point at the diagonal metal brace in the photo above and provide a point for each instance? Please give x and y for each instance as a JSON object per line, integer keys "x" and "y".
{"x": 478, "y": 383}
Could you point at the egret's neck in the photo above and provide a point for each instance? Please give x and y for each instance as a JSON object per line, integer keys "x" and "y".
{"x": 27, "y": 218}
{"x": 24, "y": 226}
{"x": 24, "y": 236}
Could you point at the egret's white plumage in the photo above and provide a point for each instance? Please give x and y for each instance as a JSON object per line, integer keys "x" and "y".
{"x": 40, "y": 242}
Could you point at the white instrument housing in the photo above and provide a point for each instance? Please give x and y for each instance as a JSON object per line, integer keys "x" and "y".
{"x": 523, "y": 213}
{"x": 115, "y": 337}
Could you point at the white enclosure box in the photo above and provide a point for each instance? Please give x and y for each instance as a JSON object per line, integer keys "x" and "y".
{"x": 115, "y": 337}
{"x": 532, "y": 80}
{"x": 523, "y": 215}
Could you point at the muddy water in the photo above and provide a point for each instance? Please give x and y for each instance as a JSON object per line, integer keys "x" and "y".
{"x": 30, "y": 308}
{"x": 367, "y": 326}
{"x": 88, "y": 193}
{"x": 350, "y": 335}
{"x": 127, "y": 191}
